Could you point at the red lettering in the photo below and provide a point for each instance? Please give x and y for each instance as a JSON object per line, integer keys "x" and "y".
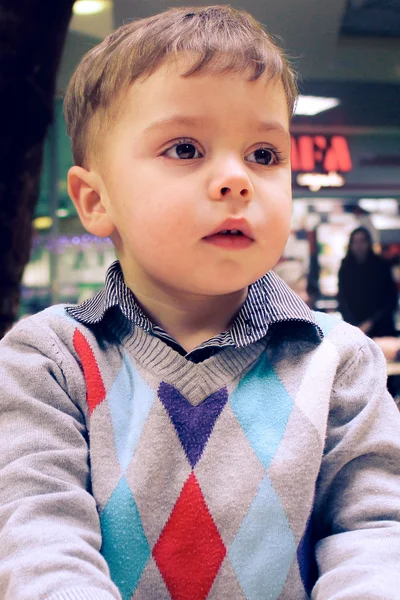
{"x": 294, "y": 156}
{"x": 332, "y": 154}
{"x": 338, "y": 156}
{"x": 320, "y": 145}
{"x": 306, "y": 151}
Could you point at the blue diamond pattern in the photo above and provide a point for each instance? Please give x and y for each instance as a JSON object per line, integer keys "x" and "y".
{"x": 128, "y": 415}
{"x": 262, "y": 406}
{"x": 264, "y": 547}
{"x": 326, "y": 322}
{"x": 125, "y": 546}
{"x": 59, "y": 311}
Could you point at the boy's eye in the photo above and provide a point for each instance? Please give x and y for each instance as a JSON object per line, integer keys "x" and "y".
{"x": 183, "y": 151}
{"x": 263, "y": 156}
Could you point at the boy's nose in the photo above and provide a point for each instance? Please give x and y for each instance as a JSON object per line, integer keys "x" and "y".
{"x": 231, "y": 184}
{"x": 244, "y": 192}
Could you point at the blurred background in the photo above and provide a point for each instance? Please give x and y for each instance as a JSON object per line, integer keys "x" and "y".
{"x": 345, "y": 146}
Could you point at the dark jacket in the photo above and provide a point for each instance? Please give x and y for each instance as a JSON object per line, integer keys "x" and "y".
{"x": 367, "y": 291}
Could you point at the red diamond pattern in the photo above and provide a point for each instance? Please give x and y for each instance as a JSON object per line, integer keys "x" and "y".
{"x": 189, "y": 551}
{"x": 95, "y": 392}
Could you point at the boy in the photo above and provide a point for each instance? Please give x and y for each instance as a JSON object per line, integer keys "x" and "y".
{"x": 194, "y": 431}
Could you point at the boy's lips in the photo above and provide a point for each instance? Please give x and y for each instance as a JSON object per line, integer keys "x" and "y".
{"x": 241, "y": 235}
{"x": 233, "y": 224}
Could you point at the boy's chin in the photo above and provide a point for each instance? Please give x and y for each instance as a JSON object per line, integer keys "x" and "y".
{"x": 223, "y": 288}
{"x": 225, "y": 284}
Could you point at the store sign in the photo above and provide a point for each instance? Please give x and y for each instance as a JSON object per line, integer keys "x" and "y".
{"x": 315, "y": 181}
{"x": 321, "y": 154}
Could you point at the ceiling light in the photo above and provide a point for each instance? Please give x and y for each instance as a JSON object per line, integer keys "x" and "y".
{"x": 385, "y": 222}
{"x": 388, "y": 206}
{"x": 312, "y": 105}
{"x": 88, "y": 7}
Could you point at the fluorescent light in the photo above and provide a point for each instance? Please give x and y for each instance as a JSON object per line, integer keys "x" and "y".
{"x": 385, "y": 222}
{"x": 88, "y": 7}
{"x": 388, "y": 206}
{"x": 312, "y": 105}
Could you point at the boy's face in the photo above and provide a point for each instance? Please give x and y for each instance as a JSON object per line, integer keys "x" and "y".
{"x": 190, "y": 157}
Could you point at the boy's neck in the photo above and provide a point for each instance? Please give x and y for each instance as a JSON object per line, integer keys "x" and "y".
{"x": 190, "y": 319}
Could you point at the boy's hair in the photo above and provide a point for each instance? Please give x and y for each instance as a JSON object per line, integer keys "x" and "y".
{"x": 221, "y": 39}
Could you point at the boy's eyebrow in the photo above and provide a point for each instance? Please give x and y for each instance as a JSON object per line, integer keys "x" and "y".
{"x": 179, "y": 120}
{"x": 174, "y": 120}
{"x": 265, "y": 126}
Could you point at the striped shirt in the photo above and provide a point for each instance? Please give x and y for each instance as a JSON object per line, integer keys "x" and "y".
{"x": 269, "y": 301}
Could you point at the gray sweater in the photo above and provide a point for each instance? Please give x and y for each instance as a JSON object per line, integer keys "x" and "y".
{"x": 126, "y": 471}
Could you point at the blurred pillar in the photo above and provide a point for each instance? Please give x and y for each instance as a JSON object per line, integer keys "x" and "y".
{"x": 32, "y": 34}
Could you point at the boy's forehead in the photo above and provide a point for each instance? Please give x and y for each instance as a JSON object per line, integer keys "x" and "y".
{"x": 201, "y": 94}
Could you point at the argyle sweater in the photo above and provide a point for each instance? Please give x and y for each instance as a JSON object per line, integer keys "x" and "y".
{"x": 128, "y": 472}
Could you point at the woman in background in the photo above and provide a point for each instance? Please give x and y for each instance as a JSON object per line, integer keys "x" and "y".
{"x": 367, "y": 291}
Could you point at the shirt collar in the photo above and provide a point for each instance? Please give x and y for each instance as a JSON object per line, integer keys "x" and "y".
{"x": 269, "y": 300}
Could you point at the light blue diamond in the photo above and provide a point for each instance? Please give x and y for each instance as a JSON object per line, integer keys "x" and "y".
{"x": 124, "y": 546}
{"x": 264, "y": 548}
{"x": 59, "y": 311}
{"x": 326, "y": 322}
{"x": 262, "y": 407}
{"x": 130, "y": 400}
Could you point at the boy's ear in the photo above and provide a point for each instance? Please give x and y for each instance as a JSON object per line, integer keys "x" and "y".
{"x": 84, "y": 189}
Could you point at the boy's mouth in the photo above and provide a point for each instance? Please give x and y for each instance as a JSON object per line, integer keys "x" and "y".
{"x": 233, "y": 227}
{"x": 232, "y": 234}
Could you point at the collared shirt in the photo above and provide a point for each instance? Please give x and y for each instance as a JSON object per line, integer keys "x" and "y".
{"x": 269, "y": 300}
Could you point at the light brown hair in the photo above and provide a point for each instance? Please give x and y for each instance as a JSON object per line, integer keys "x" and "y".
{"x": 220, "y": 38}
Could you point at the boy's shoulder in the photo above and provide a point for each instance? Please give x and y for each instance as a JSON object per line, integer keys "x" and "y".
{"x": 44, "y": 330}
{"x": 336, "y": 330}
{"x": 54, "y": 317}
{"x": 40, "y": 350}
{"x": 336, "y": 347}
{"x": 354, "y": 349}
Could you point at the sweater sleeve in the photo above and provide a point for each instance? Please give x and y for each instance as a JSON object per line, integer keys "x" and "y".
{"x": 49, "y": 526}
{"x": 357, "y": 507}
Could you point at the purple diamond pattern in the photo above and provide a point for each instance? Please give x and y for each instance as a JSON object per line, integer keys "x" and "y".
{"x": 193, "y": 424}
